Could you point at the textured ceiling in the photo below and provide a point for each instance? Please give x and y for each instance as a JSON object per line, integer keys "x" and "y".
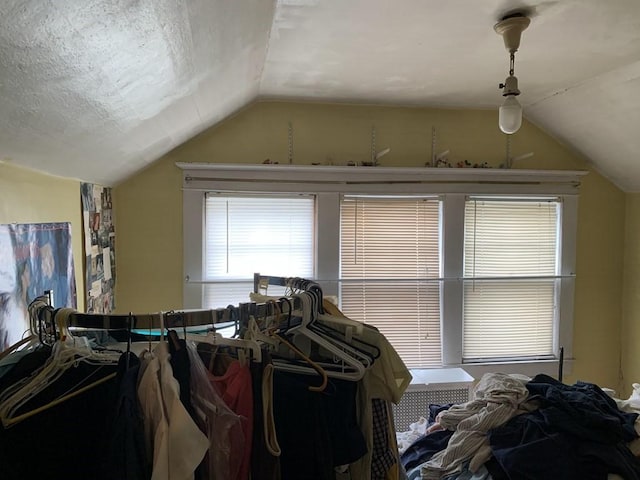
{"x": 98, "y": 89}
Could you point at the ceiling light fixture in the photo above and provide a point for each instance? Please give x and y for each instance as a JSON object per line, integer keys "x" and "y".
{"x": 510, "y": 113}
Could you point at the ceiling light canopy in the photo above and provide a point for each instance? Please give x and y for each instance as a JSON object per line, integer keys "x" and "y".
{"x": 510, "y": 113}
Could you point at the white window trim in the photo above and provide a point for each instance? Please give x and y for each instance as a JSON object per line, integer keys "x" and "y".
{"x": 452, "y": 184}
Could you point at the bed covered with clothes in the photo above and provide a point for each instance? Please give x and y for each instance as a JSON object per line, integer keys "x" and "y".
{"x": 518, "y": 428}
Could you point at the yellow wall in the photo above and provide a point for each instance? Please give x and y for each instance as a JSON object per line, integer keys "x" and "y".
{"x": 149, "y": 205}
{"x": 31, "y": 197}
{"x": 631, "y": 305}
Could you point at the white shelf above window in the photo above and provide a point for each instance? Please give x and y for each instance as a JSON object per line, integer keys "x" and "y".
{"x": 238, "y": 177}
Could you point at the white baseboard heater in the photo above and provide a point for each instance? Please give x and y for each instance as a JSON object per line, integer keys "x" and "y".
{"x": 431, "y": 386}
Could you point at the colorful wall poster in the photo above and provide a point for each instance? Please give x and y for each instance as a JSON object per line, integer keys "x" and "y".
{"x": 34, "y": 258}
{"x": 99, "y": 248}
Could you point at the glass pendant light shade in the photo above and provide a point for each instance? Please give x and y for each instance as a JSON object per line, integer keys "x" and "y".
{"x": 510, "y": 28}
{"x": 510, "y": 115}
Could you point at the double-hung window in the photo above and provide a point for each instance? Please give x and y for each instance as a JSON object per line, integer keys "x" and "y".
{"x": 511, "y": 261}
{"x": 254, "y": 233}
{"x": 454, "y": 267}
{"x": 390, "y": 270}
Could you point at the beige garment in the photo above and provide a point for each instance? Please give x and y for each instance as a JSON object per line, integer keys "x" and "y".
{"x": 177, "y": 443}
{"x": 394, "y": 471}
{"x": 155, "y": 421}
{"x": 497, "y": 398}
{"x": 387, "y": 379}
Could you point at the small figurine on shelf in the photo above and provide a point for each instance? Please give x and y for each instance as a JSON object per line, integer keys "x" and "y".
{"x": 442, "y": 163}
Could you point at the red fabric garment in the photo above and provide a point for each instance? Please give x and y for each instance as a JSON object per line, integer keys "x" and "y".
{"x": 234, "y": 386}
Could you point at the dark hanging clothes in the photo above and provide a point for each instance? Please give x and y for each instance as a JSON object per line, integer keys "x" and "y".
{"x": 127, "y": 457}
{"x": 264, "y": 466}
{"x": 339, "y": 404}
{"x": 25, "y": 366}
{"x": 316, "y": 430}
{"x": 181, "y": 366}
{"x": 65, "y": 440}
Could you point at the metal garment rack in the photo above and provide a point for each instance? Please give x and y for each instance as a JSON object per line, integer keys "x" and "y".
{"x": 43, "y": 316}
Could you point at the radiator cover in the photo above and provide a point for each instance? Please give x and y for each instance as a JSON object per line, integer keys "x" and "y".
{"x": 431, "y": 386}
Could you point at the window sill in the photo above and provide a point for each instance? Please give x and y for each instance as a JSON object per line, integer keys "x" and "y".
{"x": 455, "y": 376}
{"x": 530, "y": 369}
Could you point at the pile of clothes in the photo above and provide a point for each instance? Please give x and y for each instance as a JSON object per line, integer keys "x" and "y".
{"x": 521, "y": 428}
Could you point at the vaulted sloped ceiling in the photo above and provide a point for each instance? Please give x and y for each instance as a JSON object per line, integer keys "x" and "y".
{"x": 98, "y": 89}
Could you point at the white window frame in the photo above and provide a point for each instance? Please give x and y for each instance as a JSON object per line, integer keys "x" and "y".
{"x": 452, "y": 185}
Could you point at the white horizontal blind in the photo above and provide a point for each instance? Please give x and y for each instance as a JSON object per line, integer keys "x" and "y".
{"x": 273, "y": 235}
{"x": 386, "y": 245}
{"x": 510, "y": 270}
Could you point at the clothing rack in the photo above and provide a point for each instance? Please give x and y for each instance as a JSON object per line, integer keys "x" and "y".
{"x": 43, "y": 315}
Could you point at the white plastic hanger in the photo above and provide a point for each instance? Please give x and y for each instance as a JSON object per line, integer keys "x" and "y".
{"x": 66, "y": 352}
{"x": 274, "y": 341}
{"x": 350, "y": 367}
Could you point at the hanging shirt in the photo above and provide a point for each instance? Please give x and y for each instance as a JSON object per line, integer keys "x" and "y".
{"x": 219, "y": 422}
{"x": 127, "y": 459}
{"x": 234, "y": 386}
{"x": 177, "y": 443}
{"x": 265, "y": 452}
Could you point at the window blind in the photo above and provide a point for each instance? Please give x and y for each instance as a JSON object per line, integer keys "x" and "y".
{"x": 246, "y": 234}
{"x": 390, "y": 266}
{"x": 510, "y": 277}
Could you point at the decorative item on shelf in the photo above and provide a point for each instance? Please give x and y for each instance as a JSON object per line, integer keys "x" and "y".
{"x": 512, "y": 160}
{"x": 381, "y": 154}
{"x": 442, "y": 159}
{"x": 351, "y": 163}
{"x": 442, "y": 163}
{"x": 481, "y": 165}
{"x": 468, "y": 164}
{"x": 509, "y": 160}
{"x": 510, "y": 27}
